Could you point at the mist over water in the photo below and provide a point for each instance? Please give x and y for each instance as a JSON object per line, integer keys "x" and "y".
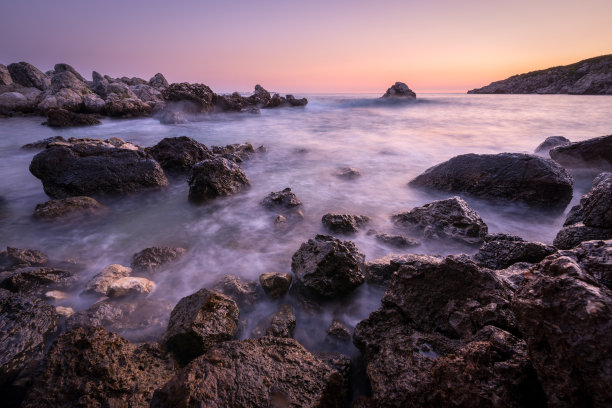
{"x": 389, "y": 143}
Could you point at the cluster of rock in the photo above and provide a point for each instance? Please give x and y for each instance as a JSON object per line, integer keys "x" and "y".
{"x": 592, "y": 76}
{"x": 68, "y": 99}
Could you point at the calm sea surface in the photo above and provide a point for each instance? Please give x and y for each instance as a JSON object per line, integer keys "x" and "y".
{"x": 389, "y": 143}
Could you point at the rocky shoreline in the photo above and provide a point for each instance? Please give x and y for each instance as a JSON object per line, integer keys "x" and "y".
{"x": 519, "y": 323}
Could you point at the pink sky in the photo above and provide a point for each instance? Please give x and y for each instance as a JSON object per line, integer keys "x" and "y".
{"x": 309, "y": 46}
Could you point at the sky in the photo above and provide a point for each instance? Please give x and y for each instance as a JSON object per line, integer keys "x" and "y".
{"x": 307, "y": 46}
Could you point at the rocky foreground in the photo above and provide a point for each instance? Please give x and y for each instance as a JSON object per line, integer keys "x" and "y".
{"x": 518, "y": 324}
{"x": 592, "y": 76}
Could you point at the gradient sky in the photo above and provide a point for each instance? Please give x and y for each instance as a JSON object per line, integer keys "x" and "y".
{"x": 307, "y": 46}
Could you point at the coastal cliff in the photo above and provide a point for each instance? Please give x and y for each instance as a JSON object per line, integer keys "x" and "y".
{"x": 592, "y": 76}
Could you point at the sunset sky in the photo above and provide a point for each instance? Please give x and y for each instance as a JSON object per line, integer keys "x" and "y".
{"x": 307, "y": 46}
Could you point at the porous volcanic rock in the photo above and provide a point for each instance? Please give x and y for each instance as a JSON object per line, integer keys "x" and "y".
{"x": 328, "y": 267}
{"x": 269, "y": 371}
{"x": 593, "y": 153}
{"x": 179, "y": 154}
{"x": 36, "y": 281}
{"x": 502, "y": 250}
{"x": 71, "y": 207}
{"x": 15, "y": 258}
{"x": 284, "y": 200}
{"x": 214, "y": 178}
{"x": 152, "y": 259}
{"x": 193, "y": 98}
{"x": 246, "y": 293}
{"x": 507, "y": 176}
{"x": 282, "y": 323}
{"x": 396, "y": 241}
{"x": 399, "y": 90}
{"x": 275, "y": 285}
{"x": 344, "y": 223}
{"x": 550, "y": 143}
{"x": 450, "y": 219}
{"x": 379, "y": 271}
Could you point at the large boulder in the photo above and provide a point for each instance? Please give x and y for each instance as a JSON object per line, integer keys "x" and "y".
{"x": 63, "y": 67}
{"x": 592, "y": 153}
{"x": 5, "y": 76}
{"x": 214, "y": 178}
{"x": 192, "y": 98}
{"x": 199, "y": 321}
{"x": 328, "y": 267}
{"x": 158, "y": 81}
{"x": 94, "y": 368}
{"x": 592, "y": 218}
{"x": 67, "y": 79}
{"x": 260, "y": 96}
{"x": 63, "y": 118}
{"x": 399, "y": 90}
{"x": 36, "y": 281}
{"x": 563, "y": 310}
{"x": 95, "y": 167}
{"x": 450, "y": 219}
{"x": 443, "y": 337}
{"x": 65, "y": 98}
{"x": 152, "y": 259}
{"x": 179, "y": 154}
{"x": 507, "y": 176}
{"x": 28, "y": 75}
{"x": 270, "y": 371}
{"x": 275, "y": 284}
{"x": 68, "y": 208}
{"x": 284, "y": 200}
{"x": 344, "y": 223}
{"x": 502, "y": 250}
{"x": 550, "y": 143}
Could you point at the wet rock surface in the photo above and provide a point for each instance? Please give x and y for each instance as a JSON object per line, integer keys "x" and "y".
{"x": 179, "y": 154}
{"x": 449, "y": 219}
{"x": 550, "y": 143}
{"x": 275, "y": 285}
{"x": 42, "y": 144}
{"x": 64, "y": 118}
{"x": 15, "y": 258}
{"x": 284, "y": 200}
{"x": 344, "y": 223}
{"x": 99, "y": 284}
{"x": 268, "y": 371}
{"x": 36, "y": 281}
{"x": 246, "y": 293}
{"x": 195, "y": 98}
{"x": 71, "y": 207}
{"x": 214, "y": 178}
{"x": 154, "y": 258}
{"x": 328, "y": 267}
{"x": 507, "y": 176}
{"x": 502, "y": 250}
{"x": 593, "y": 153}
{"x": 380, "y": 270}
{"x": 399, "y": 90}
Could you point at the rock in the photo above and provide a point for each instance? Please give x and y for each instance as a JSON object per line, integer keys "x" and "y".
{"x": 328, "y": 267}
{"x": 71, "y": 207}
{"x": 284, "y": 200}
{"x": 275, "y": 101}
{"x": 158, "y": 81}
{"x": 26, "y": 326}
{"x": 344, "y": 223}
{"x": 5, "y": 76}
{"x": 293, "y": 101}
{"x": 443, "y": 338}
{"x": 179, "y": 154}
{"x": 234, "y": 102}
{"x": 396, "y": 241}
{"x": 588, "y": 77}
{"x": 65, "y": 98}
{"x": 64, "y": 118}
{"x": 28, "y": 75}
{"x": 508, "y": 176}
{"x": 169, "y": 117}
{"x": 64, "y": 311}
{"x": 591, "y": 153}
{"x": 152, "y": 259}
{"x": 92, "y": 103}
{"x": 214, "y": 178}
{"x": 246, "y": 293}
{"x": 572, "y": 235}
{"x": 199, "y": 321}
{"x": 62, "y": 67}
{"x": 94, "y": 368}
{"x": 260, "y": 96}
{"x": 379, "y": 271}
{"x": 502, "y": 250}
{"x": 100, "y": 85}
{"x": 338, "y": 331}
{"x": 148, "y": 94}
{"x": 101, "y": 282}
{"x": 564, "y": 312}
{"x": 194, "y": 98}
{"x": 550, "y": 143}
{"x": 36, "y": 281}
{"x": 130, "y": 286}
{"x": 237, "y": 152}
{"x": 14, "y": 102}
{"x": 283, "y": 322}
{"x": 449, "y": 219}
{"x": 15, "y": 258}
{"x": 269, "y": 371}
{"x": 275, "y": 284}
{"x": 126, "y": 107}
{"x": 90, "y": 167}
{"x": 399, "y": 90}
{"x": 280, "y": 220}
{"x": 42, "y": 144}
{"x": 342, "y": 364}
{"x": 515, "y": 274}
{"x": 348, "y": 173}
{"x": 66, "y": 79}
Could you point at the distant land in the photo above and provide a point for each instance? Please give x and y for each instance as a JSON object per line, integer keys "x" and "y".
{"x": 591, "y": 76}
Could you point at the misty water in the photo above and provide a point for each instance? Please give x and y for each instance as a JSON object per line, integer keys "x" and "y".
{"x": 388, "y": 143}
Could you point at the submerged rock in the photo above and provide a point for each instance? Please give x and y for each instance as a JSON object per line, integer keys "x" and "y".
{"x": 328, "y": 267}
{"x": 508, "y": 176}
{"x": 152, "y": 259}
{"x": 64, "y": 118}
{"x": 338, "y": 331}
{"x": 399, "y": 90}
{"x": 214, "y": 178}
{"x": 344, "y": 223}
{"x": 269, "y": 371}
{"x": 179, "y": 154}
{"x": 451, "y": 219}
{"x": 550, "y": 143}
{"x": 591, "y": 153}
{"x": 502, "y": 250}
{"x": 71, "y": 207}
{"x": 275, "y": 284}
{"x": 168, "y": 117}
{"x": 348, "y": 173}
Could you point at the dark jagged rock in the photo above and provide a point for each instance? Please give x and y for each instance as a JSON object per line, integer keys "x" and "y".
{"x": 269, "y": 371}
{"x": 573, "y": 235}
{"x": 260, "y": 96}
{"x": 592, "y": 76}
{"x": 237, "y": 152}
{"x": 275, "y": 284}
{"x": 199, "y": 321}
{"x": 126, "y": 107}
{"x": 451, "y": 219}
{"x": 28, "y": 75}
{"x": 282, "y": 200}
{"x": 15, "y": 258}
{"x": 93, "y": 167}
{"x": 564, "y": 312}
{"x": 283, "y": 322}
{"x": 179, "y": 154}
{"x": 246, "y": 293}
{"x": 344, "y": 223}
{"x": 399, "y": 90}
{"x": 380, "y": 270}
{"x": 95, "y": 368}
{"x": 152, "y": 259}
{"x": 502, "y": 250}
{"x": 71, "y": 207}
{"x": 293, "y": 101}
{"x": 195, "y": 98}
{"x": 593, "y": 153}
{"x": 214, "y": 178}
{"x": 158, "y": 81}
{"x": 550, "y": 143}
{"x": 443, "y": 338}
{"x": 42, "y": 144}
{"x": 64, "y": 118}
{"x": 508, "y": 176}
{"x": 36, "y": 280}
{"x": 396, "y": 241}
{"x": 234, "y": 102}
{"x": 328, "y": 267}
{"x": 338, "y": 331}
{"x": 341, "y": 363}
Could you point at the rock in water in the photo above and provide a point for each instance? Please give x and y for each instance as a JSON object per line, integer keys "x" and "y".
{"x": 507, "y": 176}
{"x": 399, "y": 90}
{"x": 593, "y": 153}
{"x": 64, "y": 118}
{"x": 71, "y": 207}
{"x": 179, "y": 154}
{"x": 94, "y": 167}
{"x": 550, "y": 143}
{"x": 328, "y": 267}
{"x": 199, "y": 321}
{"x": 344, "y": 223}
{"x": 130, "y": 286}
{"x": 502, "y": 250}
{"x": 15, "y": 258}
{"x": 94, "y": 368}
{"x": 563, "y": 311}
{"x": 194, "y": 98}
{"x": 282, "y": 200}
{"x": 275, "y": 284}
{"x": 152, "y": 259}
{"x": 100, "y": 283}
{"x": 246, "y": 293}
{"x": 283, "y": 322}
{"x": 36, "y": 280}
{"x": 214, "y": 178}
{"x": 270, "y": 371}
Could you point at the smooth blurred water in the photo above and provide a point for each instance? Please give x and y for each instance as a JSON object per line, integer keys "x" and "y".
{"x": 389, "y": 143}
